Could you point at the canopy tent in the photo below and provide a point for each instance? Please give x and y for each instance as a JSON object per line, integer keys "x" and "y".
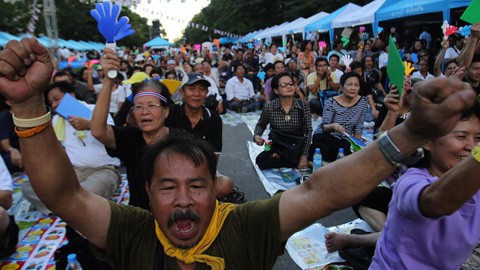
{"x": 158, "y": 42}
{"x": 298, "y": 26}
{"x": 6, "y": 37}
{"x": 247, "y": 37}
{"x": 268, "y": 33}
{"x": 285, "y": 28}
{"x": 227, "y": 40}
{"x": 407, "y": 8}
{"x": 363, "y": 15}
{"x": 323, "y": 24}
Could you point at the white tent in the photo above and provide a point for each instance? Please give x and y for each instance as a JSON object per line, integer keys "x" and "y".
{"x": 286, "y": 28}
{"x": 266, "y": 32}
{"x": 363, "y": 15}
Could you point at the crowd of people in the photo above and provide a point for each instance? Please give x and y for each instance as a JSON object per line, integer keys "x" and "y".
{"x": 170, "y": 141}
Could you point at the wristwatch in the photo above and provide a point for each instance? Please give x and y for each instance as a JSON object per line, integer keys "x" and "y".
{"x": 393, "y": 154}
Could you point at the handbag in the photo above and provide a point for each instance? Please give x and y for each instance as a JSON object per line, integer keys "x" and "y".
{"x": 211, "y": 102}
{"x": 288, "y": 146}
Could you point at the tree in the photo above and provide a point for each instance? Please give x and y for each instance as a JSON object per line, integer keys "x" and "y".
{"x": 242, "y": 17}
{"x": 73, "y": 19}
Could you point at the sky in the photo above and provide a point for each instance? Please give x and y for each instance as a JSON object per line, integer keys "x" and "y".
{"x": 174, "y": 15}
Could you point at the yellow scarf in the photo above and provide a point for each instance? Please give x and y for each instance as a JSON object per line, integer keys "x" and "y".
{"x": 59, "y": 129}
{"x": 195, "y": 254}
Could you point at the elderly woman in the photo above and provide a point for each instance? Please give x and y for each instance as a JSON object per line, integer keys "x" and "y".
{"x": 343, "y": 114}
{"x": 289, "y": 119}
{"x": 434, "y": 217}
{"x": 150, "y": 109}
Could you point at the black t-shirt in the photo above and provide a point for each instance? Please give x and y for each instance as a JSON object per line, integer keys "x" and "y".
{"x": 209, "y": 128}
{"x": 130, "y": 147}
{"x": 7, "y": 129}
{"x": 365, "y": 88}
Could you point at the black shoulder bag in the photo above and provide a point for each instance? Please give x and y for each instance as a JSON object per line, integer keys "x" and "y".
{"x": 289, "y": 146}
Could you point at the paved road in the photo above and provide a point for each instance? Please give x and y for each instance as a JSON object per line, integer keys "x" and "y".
{"x": 235, "y": 162}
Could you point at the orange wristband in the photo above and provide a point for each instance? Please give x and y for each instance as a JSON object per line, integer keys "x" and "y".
{"x": 30, "y": 132}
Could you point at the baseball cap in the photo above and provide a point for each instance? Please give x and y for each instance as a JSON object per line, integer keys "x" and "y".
{"x": 137, "y": 77}
{"x": 192, "y": 78}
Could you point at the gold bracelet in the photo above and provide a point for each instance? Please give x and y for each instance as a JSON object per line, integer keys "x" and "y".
{"x": 33, "y": 122}
{"x": 476, "y": 153}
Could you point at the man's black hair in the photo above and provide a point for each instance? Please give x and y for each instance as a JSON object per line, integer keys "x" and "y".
{"x": 195, "y": 149}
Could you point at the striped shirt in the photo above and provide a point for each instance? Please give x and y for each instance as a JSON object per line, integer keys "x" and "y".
{"x": 350, "y": 118}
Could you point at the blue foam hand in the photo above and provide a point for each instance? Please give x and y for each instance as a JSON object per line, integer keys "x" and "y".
{"x": 125, "y": 31}
{"x": 464, "y": 31}
{"x": 261, "y": 75}
{"x": 250, "y": 45}
{"x": 380, "y": 29}
{"x": 106, "y": 15}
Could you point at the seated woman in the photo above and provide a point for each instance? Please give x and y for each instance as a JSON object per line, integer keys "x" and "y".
{"x": 374, "y": 208}
{"x": 343, "y": 114}
{"x": 287, "y": 116}
{"x": 434, "y": 216}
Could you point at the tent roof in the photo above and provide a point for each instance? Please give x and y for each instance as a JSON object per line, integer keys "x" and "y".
{"x": 363, "y": 15}
{"x": 323, "y": 24}
{"x": 227, "y": 40}
{"x": 158, "y": 42}
{"x": 285, "y": 28}
{"x": 6, "y": 37}
{"x": 406, "y": 8}
{"x": 268, "y": 32}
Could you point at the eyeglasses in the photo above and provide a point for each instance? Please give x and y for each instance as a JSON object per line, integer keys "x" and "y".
{"x": 149, "y": 107}
{"x": 285, "y": 84}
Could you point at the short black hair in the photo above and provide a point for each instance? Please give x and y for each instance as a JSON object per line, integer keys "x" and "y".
{"x": 348, "y": 75}
{"x": 177, "y": 142}
{"x": 356, "y": 64}
{"x": 63, "y": 86}
{"x": 334, "y": 55}
{"x": 276, "y": 79}
{"x": 320, "y": 59}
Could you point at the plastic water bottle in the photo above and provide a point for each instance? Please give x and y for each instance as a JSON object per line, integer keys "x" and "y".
{"x": 341, "y": 154}
{"x": 317, "y": 160}
{"x": 73, "y": 263}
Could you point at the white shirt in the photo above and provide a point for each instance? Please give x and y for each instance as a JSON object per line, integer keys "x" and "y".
{"x": 452, "y": 52}
{"x": 87, "y": 151}
{"x": 382, "y": 60}
{"x": 213, "y": 89}
{"x": 235, "y": 88}
{"x": 270, "y": 58}
{"x": 418, "y": 75}
{"x": 5, "y": 177}
{"x": 215, "y": 75}
{"x": 118, "y": 95}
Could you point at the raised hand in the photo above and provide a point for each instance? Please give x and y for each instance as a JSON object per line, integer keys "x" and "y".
{"x": 436, "y": 106}
{"x": 124, "y": 32}
{"x": 346, "y": 59}
{"x": 394, "y": 101}
{"x": 109, "y": 60}
{"x": 25, "y": 70}
{"x": 106, "y": 15}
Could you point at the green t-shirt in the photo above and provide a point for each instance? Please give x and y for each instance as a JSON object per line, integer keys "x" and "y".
{"x": 249, "y": 239}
